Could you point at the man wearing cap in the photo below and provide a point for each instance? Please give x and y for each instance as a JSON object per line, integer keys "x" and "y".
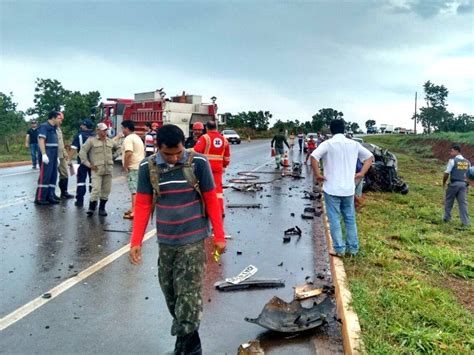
{"x": 83, "y": 171}
{"x": 97, "y": 154}
{"x": 48, "y": 145}
{"x": 63, "y": 161}
{"x": 31, "y": 141}
{"x": 456, "y": 170}
{"x": 198, "y": 130}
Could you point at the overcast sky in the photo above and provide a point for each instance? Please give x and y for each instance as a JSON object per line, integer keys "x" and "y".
{"x": 365, "y": 58}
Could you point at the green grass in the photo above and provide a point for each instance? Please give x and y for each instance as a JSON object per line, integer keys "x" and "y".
{"x": 17, "y": 152}
{"x": 402, "y": 282}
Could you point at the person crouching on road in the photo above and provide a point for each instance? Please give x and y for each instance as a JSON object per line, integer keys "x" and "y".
{"x": 279, "y": 139}
{"x": 48, "y": 145}
{"x": 132, "y": 155}
{"x": 311, "y": 148}
{"x": 181, "y": 227}
{"x": 97, "y": 154}
{"x": 457, "y": 189}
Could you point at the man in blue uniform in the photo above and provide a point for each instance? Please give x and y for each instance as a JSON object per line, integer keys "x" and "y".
{"x": 31, "y": 142}
{"x": 48, "y": 145}
{"x": 457, "y": 188}
{"x": 83, "y": 171}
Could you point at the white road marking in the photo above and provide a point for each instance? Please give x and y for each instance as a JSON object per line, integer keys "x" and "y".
{"x": 22, "y": 199}
{"x": 23, "y": 311}
{"x": 23, "y": 173}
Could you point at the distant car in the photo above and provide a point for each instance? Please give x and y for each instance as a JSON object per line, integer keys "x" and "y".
{"x": 372, "y": 130}
{"x": 307, "y": 138}
{"x": 231, "y": 135}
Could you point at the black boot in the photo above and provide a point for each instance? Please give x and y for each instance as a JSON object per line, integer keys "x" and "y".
{"x": 102, "y": 211}
{"x": 79, "y": 203}
{"x": 190, "y": 344}
{"x": 63, "y": 188}
{"x": 92, "y": 207}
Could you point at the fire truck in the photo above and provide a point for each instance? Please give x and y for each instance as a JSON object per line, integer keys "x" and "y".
{"x": 181, "y": 110}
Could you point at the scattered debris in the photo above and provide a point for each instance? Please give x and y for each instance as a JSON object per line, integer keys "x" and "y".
{"x": 277, "y": 315}
{"x": 251, "y": 348}
{"x": 280, "y": 264}
{"x": 286, "y": 239}
{"x": 244, "y": 274}
{"x": 306, "y": 291}
{"x": 244, "y": 205}
{"x": 117, "y": 231}
{"x": 249, "y": 283}
{"x": 46, "y": 295}
{"x": 293, "y": 231}
{"x": 239, "y": 252}
{"x": 248, "y": 188}
{"x": 311, "y": 195}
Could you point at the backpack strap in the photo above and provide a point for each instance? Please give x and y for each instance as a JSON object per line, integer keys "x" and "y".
{"x": 154, "y": 170}
{"x": 188, "y": 172}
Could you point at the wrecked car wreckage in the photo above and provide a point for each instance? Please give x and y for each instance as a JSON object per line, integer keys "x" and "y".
{"x": 382, "y": 175}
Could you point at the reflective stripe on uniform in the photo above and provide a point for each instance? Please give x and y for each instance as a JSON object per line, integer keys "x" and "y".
{"x": 51, "y": 144}
{"x": 81, "y": 184}
{"x": 208, "y": 144}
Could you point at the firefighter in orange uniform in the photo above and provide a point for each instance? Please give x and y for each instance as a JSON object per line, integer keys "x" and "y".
{"x": 216, "y": 148}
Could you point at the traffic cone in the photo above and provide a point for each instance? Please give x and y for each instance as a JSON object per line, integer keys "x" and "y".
{"x": 285, "y": 160}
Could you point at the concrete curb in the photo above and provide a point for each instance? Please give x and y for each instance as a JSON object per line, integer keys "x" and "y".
{"x": 350, "y": 325}
{"x": 15, "y": 163}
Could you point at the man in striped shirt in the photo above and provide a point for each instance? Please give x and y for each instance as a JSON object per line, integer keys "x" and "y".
{"x": 182, "y": 224}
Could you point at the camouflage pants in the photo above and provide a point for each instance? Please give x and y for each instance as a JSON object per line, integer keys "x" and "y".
{"x": 181, "y": 275}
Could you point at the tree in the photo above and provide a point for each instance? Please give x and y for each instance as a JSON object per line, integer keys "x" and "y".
{"x": 354, "y": 127}
{"x": 49, "y": 95}
{"x": 435, "y": 115}
{"x": 12, "y": 121}
{"x": 324, "y": 117}
{"x": 370, "y": 123}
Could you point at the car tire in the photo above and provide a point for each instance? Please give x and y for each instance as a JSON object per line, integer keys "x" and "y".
{"x": 238, "y": 142}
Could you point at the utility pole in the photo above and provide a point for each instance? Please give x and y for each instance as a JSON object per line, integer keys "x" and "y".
{"x": 414, "y": 117}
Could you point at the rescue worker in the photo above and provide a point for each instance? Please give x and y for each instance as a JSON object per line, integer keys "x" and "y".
{"x": 216, "y": 148}
{"x": 279, "y": 139}
{"x": 64, "y": 161}
{"x": 300, "y": 140}
{"x": 97, "y": 154}
{"x": 183, "y": 212}
{"x": 150, "y": 138}
{"x": 198, "y": 130}
{"x": 48, "y": 160}
{"x": 83, "y": 171}
{"x": 457, "y": 189}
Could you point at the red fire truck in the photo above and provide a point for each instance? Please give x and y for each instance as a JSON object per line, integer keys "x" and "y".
{"x": 181, "y": 110}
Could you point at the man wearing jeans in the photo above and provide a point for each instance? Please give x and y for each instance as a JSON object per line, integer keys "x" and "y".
{"x": 339, "y": 155}
{"x": 31, "y": 141}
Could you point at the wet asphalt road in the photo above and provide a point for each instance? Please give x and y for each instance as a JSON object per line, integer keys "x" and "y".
{"x": 119, "y": 309}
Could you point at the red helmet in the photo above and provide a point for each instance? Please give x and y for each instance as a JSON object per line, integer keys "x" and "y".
{"x": 198, "y": 125}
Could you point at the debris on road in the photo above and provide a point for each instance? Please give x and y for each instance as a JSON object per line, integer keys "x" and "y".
{"x": 306, "y": 291}
{"x": 244, "y": 205}
{"x": 249, "y": 283}
{"x": 251, "y": 348}
{"x": 248, "y": 188}
{"x": 244, "y": 274}
{"x": 293, "y": 231}
{"x": 280, "y": 316}
{"x": 312, "y": 195}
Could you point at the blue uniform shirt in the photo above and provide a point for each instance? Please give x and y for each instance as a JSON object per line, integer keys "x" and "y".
{"x": 49, "y": 134}
{"x": 80, "y": 139}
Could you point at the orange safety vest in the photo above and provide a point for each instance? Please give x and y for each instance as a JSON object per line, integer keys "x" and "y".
{"x": 216, "y": 147}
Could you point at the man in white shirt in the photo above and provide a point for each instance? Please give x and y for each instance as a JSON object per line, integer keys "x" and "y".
{"x": 133, "y": 152}
{"x": 339, "y": 155}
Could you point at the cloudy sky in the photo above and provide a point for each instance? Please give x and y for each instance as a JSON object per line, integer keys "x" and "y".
{"x": 366, "y": 58}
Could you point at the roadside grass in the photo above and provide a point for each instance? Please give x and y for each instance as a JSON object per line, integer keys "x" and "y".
{"x": 400, "y": 283}
{"x": 17, "y": 150}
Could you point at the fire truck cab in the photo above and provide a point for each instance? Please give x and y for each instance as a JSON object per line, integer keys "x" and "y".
{"x": 181, "y": 110}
